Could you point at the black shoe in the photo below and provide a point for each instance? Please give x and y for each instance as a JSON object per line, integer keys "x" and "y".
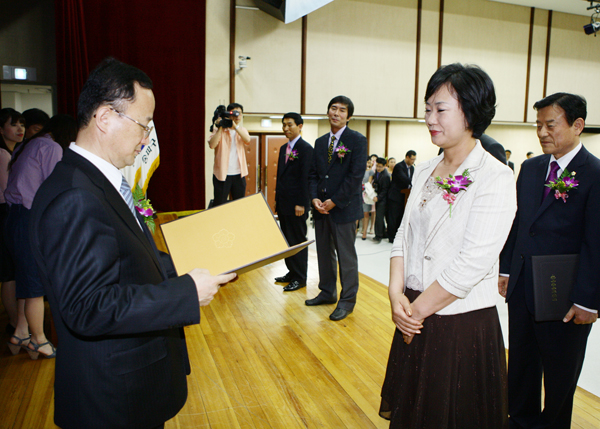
{"x": 319, "y": 300}
{"x": 377, "y": 239}
{"x": 294, "y": 285}
{"x": 339, "y": 314}
{"x": 285, "y": 279}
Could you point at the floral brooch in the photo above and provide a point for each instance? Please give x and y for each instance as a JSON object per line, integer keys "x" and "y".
{"x": 293, "y": 155}
{"x": 341, "y": 151}
{"x": 563, "y": 184}
{"x": 143, "y": 207}
{"x": 452, "y": 186}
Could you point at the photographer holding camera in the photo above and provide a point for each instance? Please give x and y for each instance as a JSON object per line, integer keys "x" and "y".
{"x": 230, "y": 168}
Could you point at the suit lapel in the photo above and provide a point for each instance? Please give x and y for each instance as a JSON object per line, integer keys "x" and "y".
{"x": 113, "y": 198}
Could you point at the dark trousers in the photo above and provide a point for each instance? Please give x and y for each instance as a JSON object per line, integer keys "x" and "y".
{"x": 554, "y": 349}
{"x": 393, "y": 215}
{"x": 380, "y": 219}
{"x": 331, "y": 239}
{"x": 294, "y": 228}
{"x": 235, "y": 184}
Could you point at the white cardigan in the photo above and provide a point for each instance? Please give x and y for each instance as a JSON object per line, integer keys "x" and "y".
{"x": 461, "y": 252}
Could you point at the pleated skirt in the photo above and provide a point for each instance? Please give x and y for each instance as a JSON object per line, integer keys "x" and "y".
{"x": 452, "y": 375}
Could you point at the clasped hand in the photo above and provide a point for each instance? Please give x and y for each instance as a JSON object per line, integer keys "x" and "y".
{"x": 405, "y": 320}
{"x": 323, "y": 207}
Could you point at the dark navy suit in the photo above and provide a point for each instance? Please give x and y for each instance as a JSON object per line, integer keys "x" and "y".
{"x": 549, "y": 226}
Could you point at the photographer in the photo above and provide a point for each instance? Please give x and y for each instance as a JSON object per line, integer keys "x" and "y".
{"x": 230, "y": 168}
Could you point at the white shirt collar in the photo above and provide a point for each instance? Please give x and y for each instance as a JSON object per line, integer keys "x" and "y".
{"x": 564, "y": 160}
{"x": 293, "y": 142}
{"x": 112, "y": 173}
{"x": 337, "y": 135}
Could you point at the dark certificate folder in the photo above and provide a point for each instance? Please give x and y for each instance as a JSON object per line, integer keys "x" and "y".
{"x": 553, "y": 278}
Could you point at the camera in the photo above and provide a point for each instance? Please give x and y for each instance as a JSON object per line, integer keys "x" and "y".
{"x": 226, "y": 117}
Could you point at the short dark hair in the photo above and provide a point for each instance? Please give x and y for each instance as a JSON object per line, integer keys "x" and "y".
{"x": 374, "y": 155}
{"x": 474, "y": 90}
{"x": 508, "y": 150}
{"x": 390, "y": 158}
{"x": 410, "y": 153}
{"x": 14, "y": 116}
{"x": 574, "y": 106}
{"x": 529, "y": 153}
{"x": 294, "y": 116}
{"x": 111, "y": 83}
{"x": 35, "y": 117}
{"x": 235, "y": 106}
{"x": 381, "y": 161}
{"x": 345, "y": 101}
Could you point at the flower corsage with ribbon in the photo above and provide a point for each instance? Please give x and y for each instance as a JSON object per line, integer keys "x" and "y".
{"x": 563, "y": 184}
{"x": 293, "y": 155}
{"x": 341, "y": 151}
{"x": 452, "y": 185}
{"x": 143, "y": 207}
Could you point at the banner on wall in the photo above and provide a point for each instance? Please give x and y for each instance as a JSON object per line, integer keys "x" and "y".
{"x": 145, "y": 163}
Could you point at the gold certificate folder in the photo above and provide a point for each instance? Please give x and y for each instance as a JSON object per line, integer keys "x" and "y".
{"x": 235, "y": 237}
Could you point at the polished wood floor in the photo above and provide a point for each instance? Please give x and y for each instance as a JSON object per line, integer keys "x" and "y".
{"x": 262, "y": 359}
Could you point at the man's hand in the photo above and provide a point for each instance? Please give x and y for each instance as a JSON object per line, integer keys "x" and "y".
{"x": 328, "y": 205}
{"x": 582, "y": 317}
{"x": 206, "y": 285}
{"x": 502, "y": 285}
{"x": 319, "y": 206}
{"x": 299, "y": 210}
{"x": 402, "y": 317}
{"x": 374, "y": 199}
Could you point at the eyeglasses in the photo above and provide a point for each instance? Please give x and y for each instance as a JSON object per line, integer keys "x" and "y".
{"x": 147, "y": 129}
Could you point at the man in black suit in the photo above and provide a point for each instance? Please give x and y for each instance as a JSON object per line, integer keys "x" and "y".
{"x": 117, "y": 306}
{"x": 508, "y": 161}
{"x": 335, "y": 186}
{"x": 547, "y": 223}
{"x": 381, "y": 184}
{"x": 292, "y": 200}
{"x": 401, "y": 179}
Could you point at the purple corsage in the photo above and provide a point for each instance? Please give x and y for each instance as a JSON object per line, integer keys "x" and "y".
{"x": 452, "y": 186}
{"x": 563, "y": 184}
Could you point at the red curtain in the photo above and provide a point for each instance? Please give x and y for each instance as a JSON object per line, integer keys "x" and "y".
{"x": 167, "y": 41}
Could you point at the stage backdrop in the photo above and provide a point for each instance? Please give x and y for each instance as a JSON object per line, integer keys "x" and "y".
{"x": 167, "y": 41}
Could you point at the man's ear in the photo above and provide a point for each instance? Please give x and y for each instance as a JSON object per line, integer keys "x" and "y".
{"x": 102, "y": 118}
{"x": 579, "y": 125}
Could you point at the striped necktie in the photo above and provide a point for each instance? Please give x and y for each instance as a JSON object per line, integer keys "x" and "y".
{"x": 330, "y": 149}
{"x": 126, "y": 192}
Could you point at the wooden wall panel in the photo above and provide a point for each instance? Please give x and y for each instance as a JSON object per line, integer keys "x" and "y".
{"x": 365, "y": 50}
{"x": 575, "y": 61}
{"x": 495, "y": 36}
{"x": 538, "y": 59}
{"x": 271, "y": 82}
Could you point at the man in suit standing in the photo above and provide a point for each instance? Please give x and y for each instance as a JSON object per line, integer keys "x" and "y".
{"x": 547, "y": 224}
{"x": 292, "y": 200}
{"x": 508, "y": 161}
{"x": 335, "y": 186}
{"x": 117, "y": 305}
{"x": 401, "y": 179}
{"x": 381, "y": 184}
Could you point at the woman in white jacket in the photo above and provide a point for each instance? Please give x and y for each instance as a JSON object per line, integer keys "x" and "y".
{"x": 447, "y": 365}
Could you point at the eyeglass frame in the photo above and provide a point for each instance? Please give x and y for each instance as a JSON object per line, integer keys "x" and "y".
{"x": 146, "y": 128}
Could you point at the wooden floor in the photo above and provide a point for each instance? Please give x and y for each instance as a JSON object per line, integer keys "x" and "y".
{"x": 262, "y": 359}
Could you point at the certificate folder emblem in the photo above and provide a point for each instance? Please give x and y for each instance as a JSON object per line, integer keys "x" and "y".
{"x": 235, "y": 237}
{"x": 553, "y": 279}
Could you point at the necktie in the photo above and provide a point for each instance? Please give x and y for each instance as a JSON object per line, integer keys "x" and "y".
{"x": 551, "y": 177}
{"x": 126, "y": 192}
{"x": 287, "y": 152}
{"x": 330, "y": 150}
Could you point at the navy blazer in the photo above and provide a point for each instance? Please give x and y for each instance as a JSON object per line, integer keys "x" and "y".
{"x": 382, "y": 185}
{"x": 400, "y": 180}
{"x": 341, "y": 179}
{"x": 122, "y": 359}
{"x": 292, "y": 179}
{"x": 554, "y": 227}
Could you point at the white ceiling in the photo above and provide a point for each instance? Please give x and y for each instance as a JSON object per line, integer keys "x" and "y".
{"x": 576, "y": 7}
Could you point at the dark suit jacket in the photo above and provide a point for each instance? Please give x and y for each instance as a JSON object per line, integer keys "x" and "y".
{"x": 340, "y": 180}
{"x": 511, "y": 165}
{"x": 400, "y": 180}
{"x": 382, "y": 185}
{"x": 292, "y": 179}
{"x": 553, "y": 227}
{"x": 122, "y": 359}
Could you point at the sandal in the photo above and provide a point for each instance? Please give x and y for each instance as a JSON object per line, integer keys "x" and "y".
{"x": 15, "y": 348}
{"x": 33, "y": 354}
